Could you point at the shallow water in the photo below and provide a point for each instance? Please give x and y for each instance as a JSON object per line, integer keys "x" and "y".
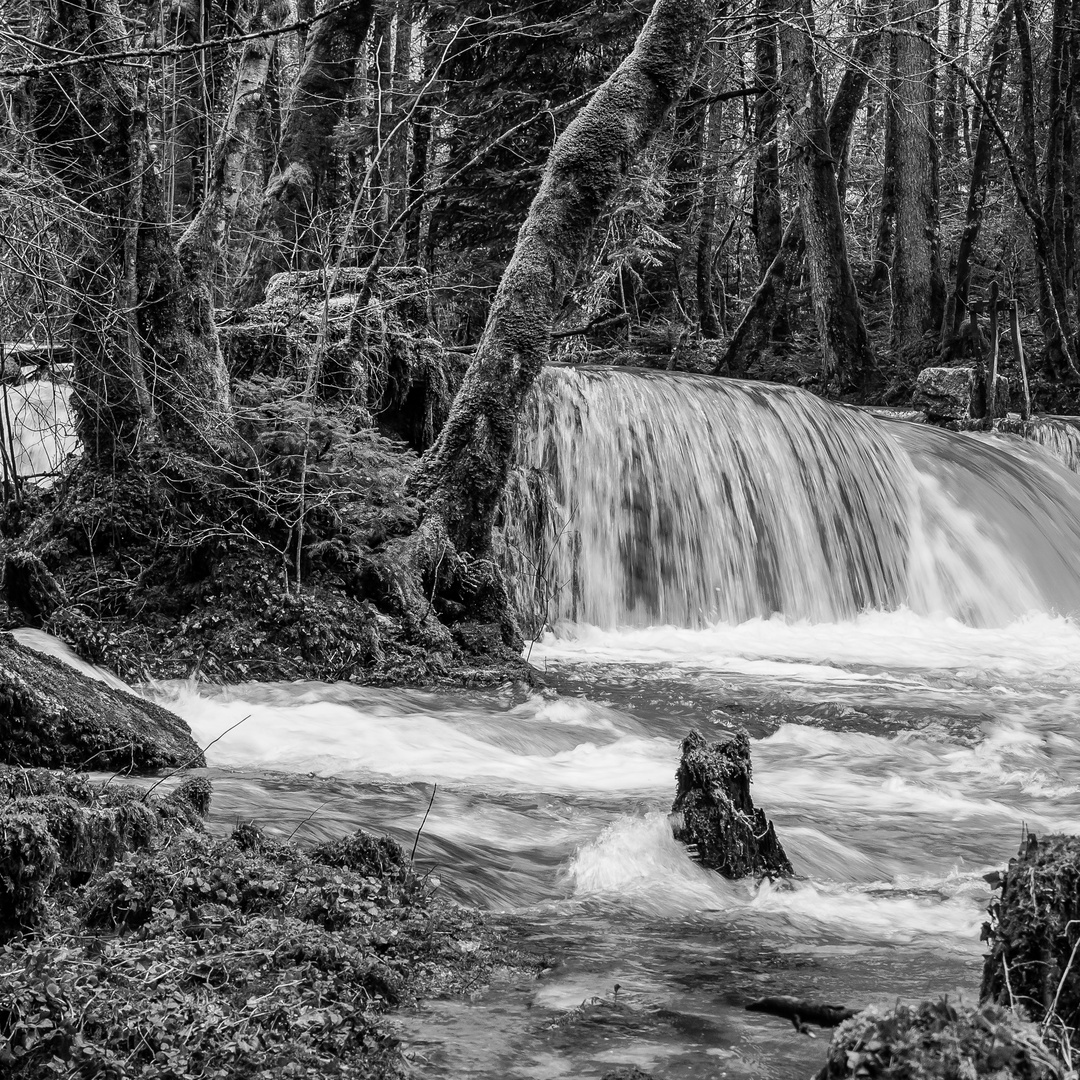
{"x": 899, "y": 755}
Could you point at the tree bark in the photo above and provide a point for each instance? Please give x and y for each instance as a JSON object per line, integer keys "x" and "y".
{"x": 318, "y": 102}
{"x": 842, "y": 113}
{"x": 845, "y": 345}
{"x": 146, "y": 362}
{"x": 765, "y": 222}
{"x": 917, "y": 285}
{"x": 957, "y": 304}
{"x": 463, "y": 476}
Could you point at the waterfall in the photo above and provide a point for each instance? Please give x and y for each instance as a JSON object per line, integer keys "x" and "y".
{"x": 644, "y": 498}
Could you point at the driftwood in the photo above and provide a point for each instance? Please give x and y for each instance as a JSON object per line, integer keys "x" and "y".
{"x": 801, "y": 1012}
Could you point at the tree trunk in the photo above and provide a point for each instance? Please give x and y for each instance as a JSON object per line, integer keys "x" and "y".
{"x": 957, "y": 305}
{"x": 463, "y": 476}
{"x": 711, "y": 194}
{"x": 1058, "y": 109}
{"x": 399, "y": 135}
{"x": 886, "y": 230}
{"x": 917, "y": 287}
{"x": 765, "y": 216}
{"x": 382, "y": 121}
{"x": 318, "y": 102}
{"x": 846, "y": 354}
{"x": 845, "y": 107}
{"x": 950, "y": 124}
{"x": 146, "y": 362}
{"x": 1053, "y": 302}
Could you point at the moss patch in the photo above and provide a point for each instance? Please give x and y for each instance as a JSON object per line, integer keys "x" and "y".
{"x": 939, "y": 1040}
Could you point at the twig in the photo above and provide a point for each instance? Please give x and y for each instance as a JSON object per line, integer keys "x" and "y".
{"x": 1064, "y": 976}
{"x": 412, "y": 854}
{"x": 181, "y": 768}
{"x": 308, "y": 818}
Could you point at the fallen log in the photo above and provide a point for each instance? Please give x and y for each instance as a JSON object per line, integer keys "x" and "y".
{"x": 801, "y": 1012}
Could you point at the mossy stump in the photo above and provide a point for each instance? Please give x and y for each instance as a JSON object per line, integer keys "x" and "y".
{"x": 939, "y": 1040}
{"x": 53, "y": 716}
{"x": 1034, "y": 935}
{"x": 715, "y": 815}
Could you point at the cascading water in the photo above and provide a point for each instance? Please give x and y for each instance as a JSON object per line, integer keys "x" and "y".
{"x": 686, "y": 500}
{"x": 912, "y": 710}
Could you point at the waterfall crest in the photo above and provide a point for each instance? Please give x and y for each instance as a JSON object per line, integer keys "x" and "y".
{"x": 647, "y": 498}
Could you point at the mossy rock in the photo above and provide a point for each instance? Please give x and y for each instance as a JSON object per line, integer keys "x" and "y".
{"x": 56, "y": 717}
{"x": 938, "y": 1040}
{"x": 1034, "y": 934}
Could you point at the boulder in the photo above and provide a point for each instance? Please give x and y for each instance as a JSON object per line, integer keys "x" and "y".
{"x": 957, "y": 394}
{"x": 1034, "y": 934}
{"x": 54, "y": 716}
{"x": 939, "y": 1040}
{"x": 715, "y": 816}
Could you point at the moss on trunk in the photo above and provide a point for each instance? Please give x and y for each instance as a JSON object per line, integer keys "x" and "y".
{"x": 463, "y": 476}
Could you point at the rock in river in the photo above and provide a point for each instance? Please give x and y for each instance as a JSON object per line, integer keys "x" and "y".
{"x": 55, "y": 717}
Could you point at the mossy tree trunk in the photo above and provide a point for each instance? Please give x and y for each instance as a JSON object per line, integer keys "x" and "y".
{"x": 146, "y": 359}
{"x": 327, "y": 74}
{"x": 462, "y": 477}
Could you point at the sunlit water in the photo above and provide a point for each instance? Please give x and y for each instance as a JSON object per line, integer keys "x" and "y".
{"x": 900, "y": 751}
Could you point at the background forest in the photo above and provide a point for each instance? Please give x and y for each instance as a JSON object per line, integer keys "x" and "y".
{"x": 259, "y": 137}
{"x": 828, "y": 204}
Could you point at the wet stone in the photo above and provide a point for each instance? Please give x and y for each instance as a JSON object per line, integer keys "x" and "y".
{"x": 715, "y": 816}
{"x": 957, "y": 394}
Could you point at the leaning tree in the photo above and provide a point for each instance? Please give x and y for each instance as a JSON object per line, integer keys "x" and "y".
{"x": 463, "y": 476}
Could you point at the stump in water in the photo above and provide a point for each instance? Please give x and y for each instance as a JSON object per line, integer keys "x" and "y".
{"x": 717, "y": 818}
{"x": 1034, "y": 935}
{"x": 936, "y": 1039}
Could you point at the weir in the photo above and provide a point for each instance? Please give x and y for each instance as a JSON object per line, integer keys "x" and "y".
{"x": 647, "y": 498}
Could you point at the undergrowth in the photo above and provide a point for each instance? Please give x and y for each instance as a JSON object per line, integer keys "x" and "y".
{"x": 295, "y": 558}
{"x": 241, "y": 957}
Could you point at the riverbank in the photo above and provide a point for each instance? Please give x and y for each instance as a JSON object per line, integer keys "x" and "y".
{"x": 145, "y": 947}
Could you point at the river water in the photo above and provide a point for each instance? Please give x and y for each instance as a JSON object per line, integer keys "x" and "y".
{"x": 887, "y": 609}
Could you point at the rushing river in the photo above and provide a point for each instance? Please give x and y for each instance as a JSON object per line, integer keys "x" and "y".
{"x": 900, "y": 757}
{"x": 888, "y": 611}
